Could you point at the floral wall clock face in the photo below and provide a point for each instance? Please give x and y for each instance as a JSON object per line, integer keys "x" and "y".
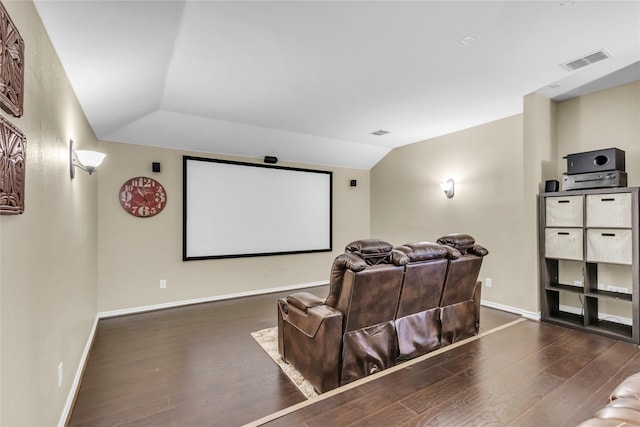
{"x": 143, "y": 197}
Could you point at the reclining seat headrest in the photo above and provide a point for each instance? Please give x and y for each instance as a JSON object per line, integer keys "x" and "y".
{"x": 372, "y": 251}
{"x": 463, "y": 243}
{"x": 358, "y": 256}
{"x": 425, "y": 251}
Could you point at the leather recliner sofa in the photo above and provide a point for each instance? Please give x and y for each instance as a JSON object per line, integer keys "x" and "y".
{"x": 385, "y": 305}
{"x": 623, "y": 409}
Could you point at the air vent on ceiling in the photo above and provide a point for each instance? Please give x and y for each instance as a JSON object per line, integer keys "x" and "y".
{"x": 586, "y": 60}
{"x": 380, "y": 132}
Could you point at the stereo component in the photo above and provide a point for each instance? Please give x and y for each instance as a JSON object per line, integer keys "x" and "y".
{"x": 609, "y": 159}
{"x": 551, "y": 185}
{"x": 594, "y": 180}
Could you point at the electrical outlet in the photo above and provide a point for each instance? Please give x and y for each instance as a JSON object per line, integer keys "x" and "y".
{"x": 163, "y": 284}
{"x": 60, "y": 374}
{"x": 488, "y": 283}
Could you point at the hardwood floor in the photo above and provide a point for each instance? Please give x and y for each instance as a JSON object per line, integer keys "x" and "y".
{"x": 529, "y": 374}
{"x": 198, "y": 366}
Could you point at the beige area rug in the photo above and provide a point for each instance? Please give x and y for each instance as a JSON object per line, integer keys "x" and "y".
{"x": 268, "y": 340}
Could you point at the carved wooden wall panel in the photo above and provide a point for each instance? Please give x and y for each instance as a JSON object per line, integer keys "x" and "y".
{"x": 13, "y": 152}
{"x": 11, "y": 66}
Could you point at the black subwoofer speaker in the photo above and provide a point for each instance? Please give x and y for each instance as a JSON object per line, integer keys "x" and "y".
{"x": 608, "y": 159}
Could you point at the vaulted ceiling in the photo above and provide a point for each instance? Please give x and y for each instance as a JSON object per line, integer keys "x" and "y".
{"x": 310, "y": 81}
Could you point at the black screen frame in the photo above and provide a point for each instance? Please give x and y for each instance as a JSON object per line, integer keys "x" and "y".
{"x": 185, "y": 207}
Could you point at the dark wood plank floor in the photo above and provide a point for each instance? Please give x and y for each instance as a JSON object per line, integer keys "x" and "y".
{"x": 529, "y": 374}
{"x": 198, "y": 366}
{"x": 188, "y": 366}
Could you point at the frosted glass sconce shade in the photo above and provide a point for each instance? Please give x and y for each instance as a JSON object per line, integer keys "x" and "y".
{"x": 448, "y": 187}
{"x": 85, "y": 160}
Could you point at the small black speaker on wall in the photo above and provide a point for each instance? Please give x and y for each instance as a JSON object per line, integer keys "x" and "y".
{"x": 551, "y": 186}
{"x": 155, "y": 166}
{"x": 271, "y": 159}
{"x": 353, "y": 183}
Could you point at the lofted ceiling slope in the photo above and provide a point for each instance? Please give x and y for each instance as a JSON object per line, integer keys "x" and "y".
{"x": 309, "y": 81}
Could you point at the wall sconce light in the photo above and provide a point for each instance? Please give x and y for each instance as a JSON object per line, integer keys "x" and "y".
{"x": 448, "y": 187}
{"x": 86, "y": 160}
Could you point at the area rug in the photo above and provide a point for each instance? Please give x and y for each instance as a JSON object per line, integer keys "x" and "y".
{"x": 268, "y": 340}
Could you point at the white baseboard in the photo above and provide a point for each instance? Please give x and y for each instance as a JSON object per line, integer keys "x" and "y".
{"x": 524, "y": 313}
{"x": 601, "y": 316}
{"x": 569, "y": 309}
{"x": 142, "y": 309}
{"x": 66, "y": 412}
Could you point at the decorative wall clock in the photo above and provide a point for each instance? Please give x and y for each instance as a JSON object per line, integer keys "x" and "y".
{"x": 11, "y": 66}
{"x": 143, "y": 197}
{"x": 13, "y": 153}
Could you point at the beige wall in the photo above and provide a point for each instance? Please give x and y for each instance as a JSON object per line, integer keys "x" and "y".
{"x": 136, "y": 253}
{"x": 609, "y": 118}
{"x": 500, "y": 168}
{"x": 407, "y": 204}
{"x": 48, "y": 255}
{"x": 538, "y": 161}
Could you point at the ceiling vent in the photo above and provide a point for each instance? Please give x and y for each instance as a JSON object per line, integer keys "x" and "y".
{"x": 586, "y": 60}
{"x": 380, "y": 132}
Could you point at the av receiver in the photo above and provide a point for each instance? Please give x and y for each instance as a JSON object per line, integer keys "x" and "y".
{"x": 594, "y": 180}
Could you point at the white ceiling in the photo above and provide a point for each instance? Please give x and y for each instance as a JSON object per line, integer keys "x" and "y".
{"x": 308, "y": 81}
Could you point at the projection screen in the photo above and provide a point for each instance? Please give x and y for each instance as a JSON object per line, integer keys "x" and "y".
{"x": 235, "y": 209}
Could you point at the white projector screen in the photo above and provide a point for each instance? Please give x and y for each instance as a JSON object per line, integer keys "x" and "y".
{"x": 234, "y": 209}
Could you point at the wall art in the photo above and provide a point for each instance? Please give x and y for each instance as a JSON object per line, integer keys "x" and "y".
{"x": 11, "y": 66}
{"x": 13, "y": 161}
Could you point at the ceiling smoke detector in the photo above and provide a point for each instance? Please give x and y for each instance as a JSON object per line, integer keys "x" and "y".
{"x": 380, "y": 132}
{"x": 597, "y": 56}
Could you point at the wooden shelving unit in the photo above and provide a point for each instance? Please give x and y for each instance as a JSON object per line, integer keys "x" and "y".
{"x": 595, "y": 228}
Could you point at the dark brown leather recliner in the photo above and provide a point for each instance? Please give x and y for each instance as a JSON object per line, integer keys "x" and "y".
{"x": 384, "y": 305}
{"x": 310, "y": 339}
{"x": 352, "y": 334}
{"x": 460, "y": 303}
{"x": 418, "y": 315}
{"x": 623, "y": 409}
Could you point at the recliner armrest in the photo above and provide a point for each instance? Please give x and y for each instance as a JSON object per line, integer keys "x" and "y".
{"x": 307, "y": 321}
{"x": 304, "y": 300}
